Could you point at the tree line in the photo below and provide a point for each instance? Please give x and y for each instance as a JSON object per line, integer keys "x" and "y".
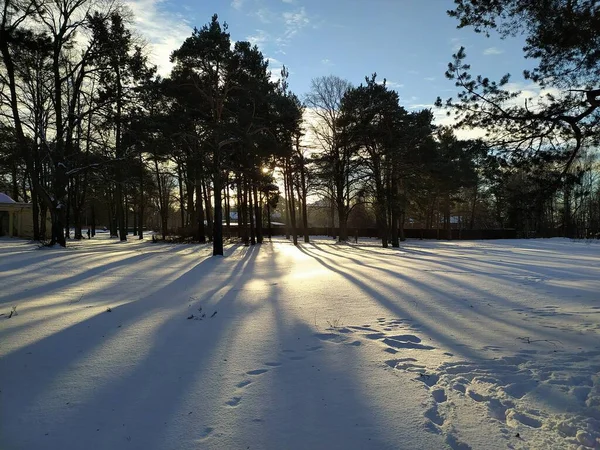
{"x": 90, "y": 134}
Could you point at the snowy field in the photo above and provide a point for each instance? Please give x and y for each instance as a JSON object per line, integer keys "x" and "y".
{"x": 482, "y": 345}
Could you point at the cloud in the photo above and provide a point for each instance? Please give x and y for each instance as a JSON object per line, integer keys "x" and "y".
{"x": 492, "y": 51}
{"x": 162, "y": 31}
{"x": 237, "y": 4}
{"x": 265, "y": 15}
{"x": 326, "y": 62}
{"x": 456, "y": 44}
{"x": 273, "y": 62}
{"x": 275, "y": 67}
{"x": 261, "y": 37}
{"x": 394, "y": 85}
{"x": 294, "y": 22}
{"x": 429, "y": 78}
{"x": 391, "y": 84}
{"x": 421, "y": 106}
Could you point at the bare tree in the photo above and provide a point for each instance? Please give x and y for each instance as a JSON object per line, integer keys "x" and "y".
{"x": 335, "y": 160}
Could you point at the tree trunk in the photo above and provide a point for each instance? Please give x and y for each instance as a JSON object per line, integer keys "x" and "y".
{"x": 208, "y": 209}
{"x": 251, "y": 214}
{"x": 269, "y": 216}
{"x": 257, "y": 216}
{"x": 291, "y": 203}
{"x": 181, "y": 197}
{"x": 304, "y": 201}
{"x": 93, "y": 221}
{"x": 217, "y": 234}
{"x": 141, "y": 206}
{"x": 228, "y": 208}
{"x": 200, "y": 212}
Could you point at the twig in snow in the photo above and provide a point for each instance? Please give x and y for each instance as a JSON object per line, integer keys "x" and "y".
{"x": 13, "y": 312}
{"x": 528, "y": 340}
{"x": 76, "y": 301}
{"x": 108, "y": 309}
{"x": 213, "y": 314}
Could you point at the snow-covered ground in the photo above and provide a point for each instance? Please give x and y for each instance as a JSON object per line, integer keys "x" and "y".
{"x": 483, "y": 345}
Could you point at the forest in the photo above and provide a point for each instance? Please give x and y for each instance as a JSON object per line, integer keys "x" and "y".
{"x": 220, "y": 148}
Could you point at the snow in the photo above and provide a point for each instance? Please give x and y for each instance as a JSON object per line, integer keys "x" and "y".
{"x": 481, "y": 344}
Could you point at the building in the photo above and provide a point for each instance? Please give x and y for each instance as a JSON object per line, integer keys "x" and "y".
{"x": 16, "y": 219}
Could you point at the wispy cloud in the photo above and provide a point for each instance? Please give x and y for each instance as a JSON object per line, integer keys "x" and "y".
{"x": 163, "y": 32}
{"x": 237, "y": 4}
{"x": 260, "y": 38}
{"x": 421, "y": 106}
{"x": 429, "y": 78}
{"x": 492, "y": 51}
{"x": 456, "y": 44}
{"x": 391, "y": 84}
{"x": 394, "y": 85}
{"x": 294, "y": 21}
{"x": 265, "y": 15}
{"x": 326, "y": 62}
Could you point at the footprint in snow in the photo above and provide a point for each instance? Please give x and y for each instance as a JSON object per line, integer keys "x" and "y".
{"x": 205, "y": 434}
{"x": 439, "y": 395}
{"x": 513, "y": 418}
{"x": 434, "y": 415}
{"x": 244, "y": 383}
{"x": 234, "y": 401}
{"x": 455, "y": 444}
{"x": 331, "y": 337}
{"x": 430, "y": 379}
{"x": 406, "y": 344}
{"x": 257, "y": 371}
{"x": 273, "y": 364}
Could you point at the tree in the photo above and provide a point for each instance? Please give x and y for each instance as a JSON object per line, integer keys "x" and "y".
{"x": 233, "y": 116}
{"x": 561, "y": 37}
{"x": 373, "y": 124}
{"x": 336, "y": 163}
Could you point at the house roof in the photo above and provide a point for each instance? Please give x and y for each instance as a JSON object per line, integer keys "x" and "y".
{"x": 5, "y": 198}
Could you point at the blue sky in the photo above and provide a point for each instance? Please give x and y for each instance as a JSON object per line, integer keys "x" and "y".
{"x": 409, "y": 42}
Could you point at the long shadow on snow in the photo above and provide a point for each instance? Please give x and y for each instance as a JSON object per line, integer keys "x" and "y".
{"x": 94, "y": 272}
{"x": 154, "y": 383}
{"x": 478, "y": 267}
{"x": 430, "y": 329}
{"x": 485, "y": 309}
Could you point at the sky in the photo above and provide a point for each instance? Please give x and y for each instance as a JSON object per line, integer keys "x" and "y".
{"x": 407, "y": 42}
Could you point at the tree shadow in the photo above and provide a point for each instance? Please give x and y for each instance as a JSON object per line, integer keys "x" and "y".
{"x": 134, "y": 363}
